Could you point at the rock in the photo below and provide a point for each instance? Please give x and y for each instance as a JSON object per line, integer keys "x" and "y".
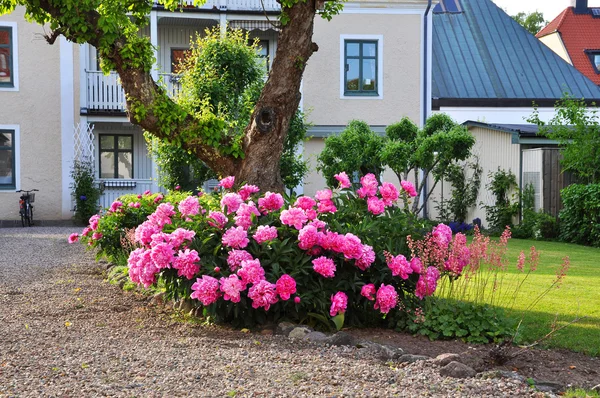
{"x": 266, "y": 332}
{"x": 410, "y": 358}
{"x": 444, "y": 359}
{"x": 596, "y": 388}
{"x": 158, "y": 299}
{"x": 284, "y": 328}
{"x": 340, "y": 338}
{"x": 299, "y": 332}
{"x": 383, "y": 352}
{"x": 457, "y": 370}
{"x": 502, "y": 374}
{"x": 316, "y": 337}
{"x": 549, "y": 386}
{"x": 184, "y": 305}
{"x": 472, "y": 360}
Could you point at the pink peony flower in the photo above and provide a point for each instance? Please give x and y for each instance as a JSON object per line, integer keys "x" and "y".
{"x": 263, "y": 294}
{"x": 94, "y": 222}
{"x": 427, "y": 283}
{"x": 217, "y": 269}
{"x": 297, "y": 300}
{"x": 294, "y": 216}
{"x": 177, "y": 187}
{"x": 305, "y": 203}
{"x": 339, "y": 302}
{"x": 231, "y": 288}
{"x": 144, "y": 232}
{"x": 324, "y": 266}
{"x": 147, "y": 192}
{"x": 366, "y": 259}
{"x": 318, "y": 224}
{"x": 368, "y": 291}
{"x": 74, "y": 237}
{"x": 96, "y": 236}
{"x": 189, "y": 206}
{"x": 311, "y": 214}
{"x": 235, "y": 237}
{"x": 86, "y": 231}
{"x": 180, "y": 235}
{"x": 162, "y": 215}
{"x": 325, "y": 194}
{"x": 116, "y": 205}
{"x": 442, "y": 235}
{"x": 399, "y": 266}
{"x": 206, "y": 290}
{"x": 217, "y": 219}
{"x": 375, "y": 205}
{"x": 142, "y": 269}
{"x": 231, "y": 201}
{"x": 308, "y": 237}
{"x": 251, "y": 272}
{"x": 368, "y": 186}
{"x": 236, "y": 257}
{"x": 135, "y": 205}
{"x": 243, "y": 217}
{"x": 387, "y": 298}
{"x": 227, "y": 182}
{"x": 352, "y": 246}
{"x": 270, "y": 202}
{"x": 326, "y": 206}
{"x": 160, "y": 237}
{"x": 409, "y": 188}
{"x": 343, "y": 180}
{"x": 186, "y": 263}
{"x": 285, "y": 287}
{"x": 265, "y": 233}
{"x": 248, "y": 190}
{"x": 158, "y": 198}
{"x": 163, "y": 255}
{"x": 417, "y": 265}
{"x": 389, "y": 193}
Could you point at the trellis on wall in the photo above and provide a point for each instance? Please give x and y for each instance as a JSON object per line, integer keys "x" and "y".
{"x": 83, "y": 143}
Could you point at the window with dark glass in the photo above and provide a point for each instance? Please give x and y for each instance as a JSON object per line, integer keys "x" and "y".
{"x": 7, "y": 159}
{"x": 178, "y": 56}
{"x": 116, "y": 156}
{"x": 595, "y": 59}
{"x": 360, "y": 74}
{"x": 6, "y": 57}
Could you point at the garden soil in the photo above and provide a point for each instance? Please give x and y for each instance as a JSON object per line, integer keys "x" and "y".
{"x": 66, "y": 332}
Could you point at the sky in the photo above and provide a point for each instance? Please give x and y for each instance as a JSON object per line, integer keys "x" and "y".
{"x": 550, "y": 8}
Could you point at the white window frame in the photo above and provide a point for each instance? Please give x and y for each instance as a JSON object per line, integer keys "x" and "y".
{"x": 379, "y": 39}
{"x": 15, "y": 56}
{"x": 17, "y": 154}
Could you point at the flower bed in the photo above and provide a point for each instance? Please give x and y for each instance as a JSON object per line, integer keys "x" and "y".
{"x": 249, "y": 258}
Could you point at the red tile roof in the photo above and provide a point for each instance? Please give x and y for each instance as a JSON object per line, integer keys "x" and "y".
{"x": 579, "y": 32}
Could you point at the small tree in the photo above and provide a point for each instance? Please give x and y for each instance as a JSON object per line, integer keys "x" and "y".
{"x": 221, "y": 76}
{"x": 409, "y": 150}
{"x": 533, "y": 22}
{"x": 505, "y": 207}
{"x": 84, "y": 190}
{"x": 357, "y": 150}
{"x": 577, "y": 129}
{"x": 465, "y": 178}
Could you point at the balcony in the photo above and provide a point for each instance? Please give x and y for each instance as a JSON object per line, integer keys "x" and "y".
{"x": 105, "y": 94}
{"x": 231, "y": 5}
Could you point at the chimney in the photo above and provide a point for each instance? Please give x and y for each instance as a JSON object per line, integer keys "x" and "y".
{"x": 581, "y": 6}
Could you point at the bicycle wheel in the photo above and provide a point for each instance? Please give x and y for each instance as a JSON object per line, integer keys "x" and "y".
{"x": 22, "y": 213}
{"x": 30, "y": 216}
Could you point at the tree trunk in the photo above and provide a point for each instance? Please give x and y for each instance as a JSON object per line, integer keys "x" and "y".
{"x": 278, "y": 102}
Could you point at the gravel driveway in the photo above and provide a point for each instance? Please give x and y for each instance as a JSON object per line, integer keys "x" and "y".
{"x": 64, "y": 332}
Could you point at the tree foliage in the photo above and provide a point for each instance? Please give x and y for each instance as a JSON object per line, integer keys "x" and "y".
{"x": 577, "y": 129}
{"x": 405, "y": 149}
{"x": 222, "y": 74}
{"x": 532, "y": 22}
{"x": 113, "y": 28}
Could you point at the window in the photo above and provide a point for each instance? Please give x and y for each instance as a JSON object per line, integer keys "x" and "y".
{"x": 7, "y": 160}
{"x": 6, "y": 57}
{"x": 262, "y": 50}
{"x": 594, "y": 56}
{"x": 361, "y": 74}
{"x": 178, "y": 56}
{"x": 116, "y": 156}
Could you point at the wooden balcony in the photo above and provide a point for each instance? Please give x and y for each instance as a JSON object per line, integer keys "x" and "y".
{"x": 232, "y": 5}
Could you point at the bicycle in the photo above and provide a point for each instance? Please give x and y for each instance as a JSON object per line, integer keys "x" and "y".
{"x": 26, "y": 207}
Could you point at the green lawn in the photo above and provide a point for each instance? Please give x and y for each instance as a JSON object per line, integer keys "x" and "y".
{"x": 578, "y": 296}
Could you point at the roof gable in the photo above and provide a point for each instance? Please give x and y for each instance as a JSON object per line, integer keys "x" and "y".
{"x": 578, "y": 32}
{"x": 482, "y": 53}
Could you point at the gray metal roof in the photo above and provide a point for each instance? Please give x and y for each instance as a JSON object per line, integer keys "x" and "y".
{"x": 481, "y": 53}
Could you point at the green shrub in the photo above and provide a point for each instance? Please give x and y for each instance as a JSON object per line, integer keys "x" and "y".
{"x": 84, "y": 190}
{"x": 580, "y": 216}
{"x": 546, "y": 227}
{"x": 501, "y": 213}
{"x": 450, "y": 319}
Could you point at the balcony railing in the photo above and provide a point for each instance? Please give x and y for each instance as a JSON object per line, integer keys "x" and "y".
{"x": 236, "y": 5}
{"x": 105, "y": 94}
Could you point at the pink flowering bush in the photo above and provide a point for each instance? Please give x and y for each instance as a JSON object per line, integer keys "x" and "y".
{"x": 249, "y": 257}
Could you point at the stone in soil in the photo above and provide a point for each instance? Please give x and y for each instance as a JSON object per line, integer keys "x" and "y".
{"x": 383, "y": 352}
{"x": 341, "y": 338}
{"x": 457, "y": 370}
{"x": 299, "y": 332}
{"x": 316, "y": 337}
{"x": 549, "y": 386}
{"x": 284, "y": 328}
{"x": 445, "y": 359}
{"x": 410, "y": 358}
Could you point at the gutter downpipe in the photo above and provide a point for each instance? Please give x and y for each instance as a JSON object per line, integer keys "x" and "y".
{"x": 425, "y": 85}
